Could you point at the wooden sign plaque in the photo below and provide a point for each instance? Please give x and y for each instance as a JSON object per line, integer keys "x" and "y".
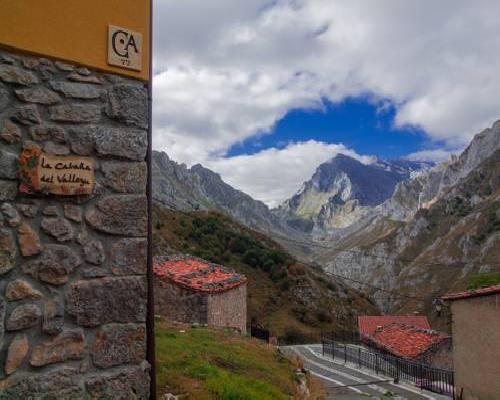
{"x": 59, "y": 175}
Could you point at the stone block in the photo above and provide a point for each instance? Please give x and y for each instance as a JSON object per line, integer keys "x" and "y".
{"x": 30, "y": 62}
{"x": 3, "y": 307}
{"x": 127, "y": 143}
{"x": 48, "y": 132}
{"x": 12, "y": 74}
{"x": 16, "y": 353}
{"x": 53, "y": 316}
{"x": 29, "y": 241}
{"x": 10, "y": 132}
{"x": 75, "y": 90}
{"x": 58, "y": 227}
{"x": 94, "y": 252}
{"x": 27, "y": 115}
{"x": 11, "y": 215}
{"x": 8, "y": 165}
{"x": 86, "y": 79}
{"x": 120, "y": 215}
{"x": 61, "y": 384}
{"x": 56, "y": 149}
{"x": 51, "y": 211}
{"x": 8, "y": 190}
{"x": 4, "y": 97}
{"x": 82, "y": 140}
{"x": 75, "y": 113}
{"x": 19, "y": 289}
{"x": 107, "y": 300}
{"x": 129, "y": 104}
{"x": 23, "y": 317}
{"x": 7, "y": 251}
{"x": 72, "y": 212}
{"x": 68, "y": 345}
{"x": 28, "y": 210}
{"x": 94, "y": 272}
{"x": 39, "y": 95}
{"x": 117, "y": 344}
{"x": 129, "y": 257}
{"x": 127, "y": 383}
{"x": 64, "y": 67}
{"x": 54, "y": 265}
{"x": 125, "y": 177}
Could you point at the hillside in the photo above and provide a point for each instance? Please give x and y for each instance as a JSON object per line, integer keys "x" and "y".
{"x": 436, "y": 251}
{"x": 177, "y": 187}
{"x": 208, "y": 364}
{"x": 289, "y": 298}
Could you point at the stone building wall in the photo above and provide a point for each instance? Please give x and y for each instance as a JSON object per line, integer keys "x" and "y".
{"x": 476, "y": 350}
{"x": 438, "y": 356}
{"x": 229, "y": 309}
{"x": 73, "y": 288}
{"x": 177, "y": 304}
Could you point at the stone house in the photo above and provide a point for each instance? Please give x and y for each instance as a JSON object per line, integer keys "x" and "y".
{"x": 367, "y": 324}
{"x": 476, "y": 342}
{"x": 191, "y": 290}
{"x": 420, "y": 345}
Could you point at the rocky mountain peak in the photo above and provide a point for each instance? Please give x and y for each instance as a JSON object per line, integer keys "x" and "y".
{"x": 343, "y": 190}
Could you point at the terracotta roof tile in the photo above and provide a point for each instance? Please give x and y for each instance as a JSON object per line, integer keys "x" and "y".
{"x": 197, "y": 274}
{"x": 473, "y": 293}
{"x": 367, "y": 324}
{"x": 406, "y": 341}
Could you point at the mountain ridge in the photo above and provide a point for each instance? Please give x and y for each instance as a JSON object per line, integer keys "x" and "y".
{"x": 342, "y": 191}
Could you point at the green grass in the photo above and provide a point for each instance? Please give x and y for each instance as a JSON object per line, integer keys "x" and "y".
{"x": 480, "y": 280}
{"x": 209, "y": 364}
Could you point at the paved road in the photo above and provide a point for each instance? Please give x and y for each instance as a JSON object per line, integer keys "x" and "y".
{"x": 361, "y": 384}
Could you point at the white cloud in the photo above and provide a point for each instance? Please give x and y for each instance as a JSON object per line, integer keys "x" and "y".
{"x": 274, "y": 175}
{"x": 436, "y": 155}
{"x": 227, "y": 70}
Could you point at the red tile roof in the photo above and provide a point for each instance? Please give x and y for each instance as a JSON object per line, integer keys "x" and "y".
{"x": 406, "y": 341}
{"x": 495, "y": 289}
{"x": 197, "y": 274}
{"x": 368, "y": 324}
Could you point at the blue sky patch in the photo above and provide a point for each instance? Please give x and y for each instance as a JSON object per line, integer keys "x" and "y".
{"x": 359, "y": 123}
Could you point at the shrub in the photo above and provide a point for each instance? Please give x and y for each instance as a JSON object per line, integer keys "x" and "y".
{"x": 296, "y": 269}
{"x": 483, "y": 280}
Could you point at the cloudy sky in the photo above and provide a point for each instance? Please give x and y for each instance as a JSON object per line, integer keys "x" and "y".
{"x": 262, "y": 91}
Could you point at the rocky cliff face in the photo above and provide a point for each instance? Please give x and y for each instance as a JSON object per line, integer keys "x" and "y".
{"x": 190, "y": 189}
{"x": 443, "y": 226}
{"x": 424, "y": 190}
{"x": 343, "y": 191}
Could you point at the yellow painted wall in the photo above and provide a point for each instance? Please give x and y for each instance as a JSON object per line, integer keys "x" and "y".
{"x": 73, "y": 30}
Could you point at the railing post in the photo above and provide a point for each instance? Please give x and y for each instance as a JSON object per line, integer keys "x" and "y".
{"x": 359, "y": 357}
{"x": 421, "y": 374}
{"x": 345, "y": 353}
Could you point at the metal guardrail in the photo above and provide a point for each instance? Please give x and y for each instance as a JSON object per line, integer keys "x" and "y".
{"x": 259, "y": 333}
{"x": 423, "y": 376}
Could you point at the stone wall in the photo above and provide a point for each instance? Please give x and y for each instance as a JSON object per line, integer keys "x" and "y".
{"x": 178, "y": 304}
{"x": 73, "y": 288}
{"x": 438, "y": 356}
{"x": 229, "y": 309}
